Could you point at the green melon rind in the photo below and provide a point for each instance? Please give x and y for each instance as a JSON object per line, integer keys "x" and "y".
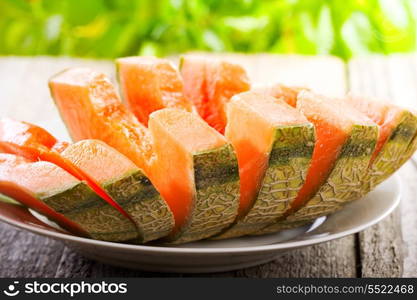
{"x": 344, "y": 183}
{"x": 83, "y": 206}
{"x": 288, "y": 163}
{"x": 137, "y": 196}
{"x": 216, "y": 200}
{"x": 395, "y": 152}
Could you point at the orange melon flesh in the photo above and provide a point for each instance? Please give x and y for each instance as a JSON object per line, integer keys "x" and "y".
{"x": 333, "y": 121}
{"x": 82, "y": 94}
{"x": 209, "y": 84}
{"x": 149, "y": 84}
{"x": 91, "y": 109}
{"x": 35, "y": 143}
{"x": 249, "y": 111}
{"x": 177, "y": 137}
{"x": 22, "y": 181}
{"x": 280, "y": 91}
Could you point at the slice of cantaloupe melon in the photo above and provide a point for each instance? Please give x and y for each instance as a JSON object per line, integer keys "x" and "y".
{"x": 125, "y": 183}
{"x": 345, "y": 142}
{"x": 274, "y": 143}
{"x": 395, "y": 143}
{"x": 91, "y": 108}
{"x": 61, "y": 197}
{"x": 148, "y": 84}
{"x": 210, "y": 84}
{"x": 197, "y": 173}
{"x": 35, "y": 143}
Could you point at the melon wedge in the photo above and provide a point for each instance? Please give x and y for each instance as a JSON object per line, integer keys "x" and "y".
{"x": 395, "y": 144}
{"x": 210, "y": 84}
{"x": 61, "y": 197}
{"x": 197, "y": 173}
{"x": 82, "y": 94}
{"x": 345, "y": 142}
{"x": 411, "y": 149}
{"x": 125, "y": 183}
{"x": 35, "y": 143}
{"x": 287, "y": 93}
{"x": 274, "y": 144}
{"x": 148, "y": 84}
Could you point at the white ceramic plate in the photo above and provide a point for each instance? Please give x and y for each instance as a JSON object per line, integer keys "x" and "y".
{"x": 217, "y": 256}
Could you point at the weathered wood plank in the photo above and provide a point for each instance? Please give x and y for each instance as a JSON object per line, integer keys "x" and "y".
{"x": 381, "y": 246}
{"x": 33, "y": 104}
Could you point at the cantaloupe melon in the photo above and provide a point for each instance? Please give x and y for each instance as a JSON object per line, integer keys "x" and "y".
{"x": 126, "y": 184}
{"x": 148, "y": 84}
{"x": 91, "y": 109}
{"x": 282, "y": 179}
{"x": 189, "y": 136}
{"x": 274, "y": 144}
{"x": 35, "y": 143}
{"x": 197, "y": 173}
{"x": 8, "y": 200}
{"x": 209, "y": 84}
{"x": 287, "y": 93}
{"x": 411, "y": 149}
{"x": 284, "y": 175}
{"x": 345, "y": 142}
{"x": 112, "y": 171}
{"x": 395, "y": 143}
{"x": 61, "y": 197}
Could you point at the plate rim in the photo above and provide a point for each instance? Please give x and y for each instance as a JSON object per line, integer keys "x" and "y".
{"x": 211, "y": 250}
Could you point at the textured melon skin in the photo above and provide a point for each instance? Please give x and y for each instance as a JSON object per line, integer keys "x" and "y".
{"x": 138, "y": 197}
{"x": 216, "y": 201}
{"x": 344, "y": 183}
{"x": 288, "y": 163}
{"x": 394, "y": 153}
{"x": 82, "y": 206}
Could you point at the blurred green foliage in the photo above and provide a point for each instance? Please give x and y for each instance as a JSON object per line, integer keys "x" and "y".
{"x": 112, "y": 28}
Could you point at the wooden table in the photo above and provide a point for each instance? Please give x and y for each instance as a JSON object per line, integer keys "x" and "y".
{"x": 388, "y": 249}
